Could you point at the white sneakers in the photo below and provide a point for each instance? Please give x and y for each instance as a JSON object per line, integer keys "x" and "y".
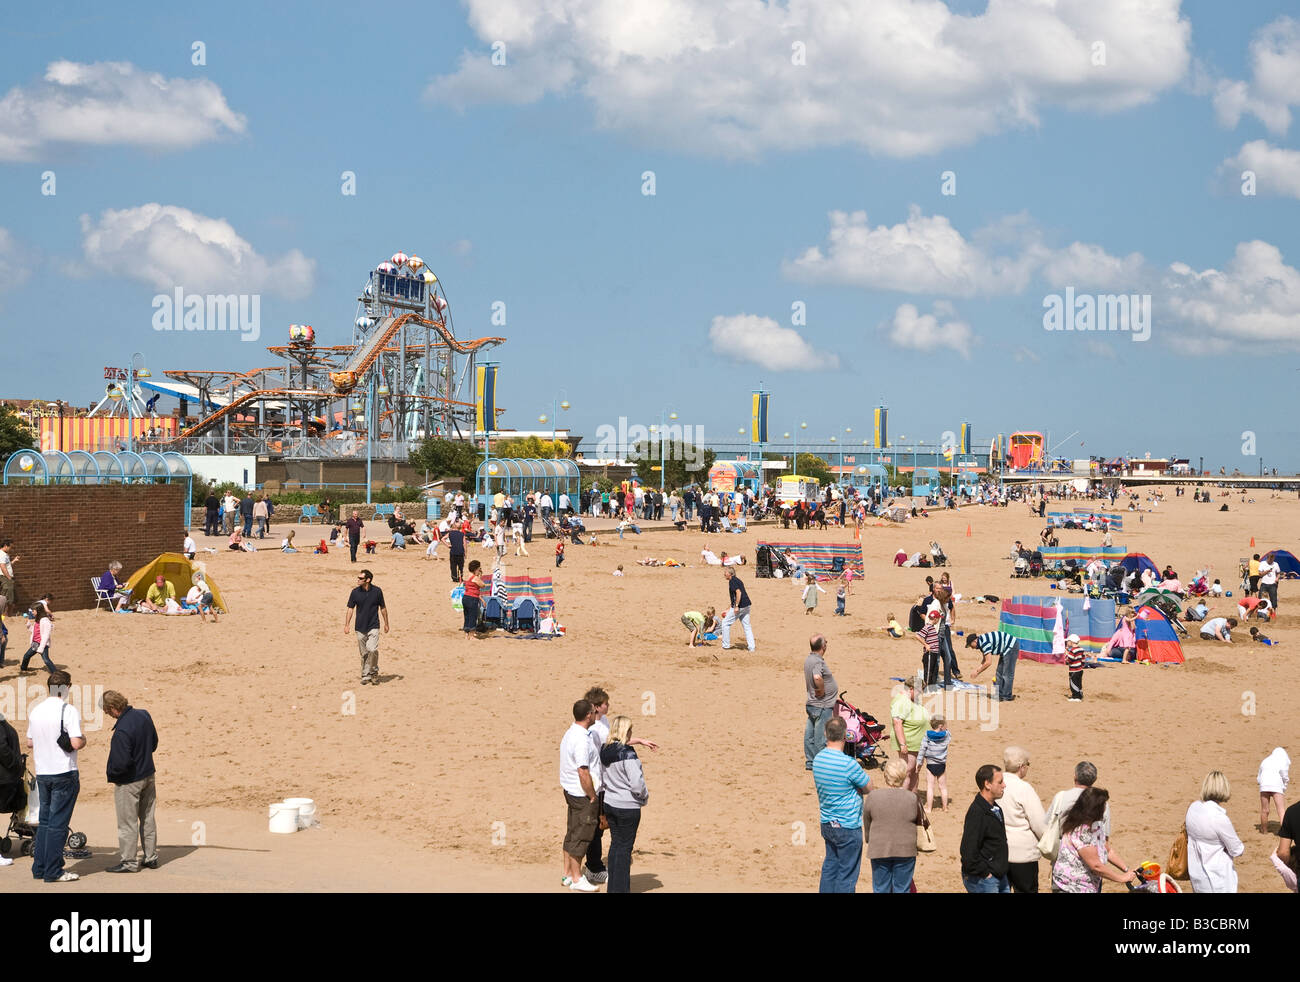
{"x": 581, "y": 884}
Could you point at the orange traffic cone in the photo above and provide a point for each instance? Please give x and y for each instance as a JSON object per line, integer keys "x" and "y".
{"x": 968, "y": 531}
{"x": 1252, "y": 542}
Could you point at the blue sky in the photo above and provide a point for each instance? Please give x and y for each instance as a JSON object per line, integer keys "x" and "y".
{"x": 522, "y": 183}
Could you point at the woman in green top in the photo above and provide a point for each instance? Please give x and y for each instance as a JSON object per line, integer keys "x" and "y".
{"x": 910, "y": 723}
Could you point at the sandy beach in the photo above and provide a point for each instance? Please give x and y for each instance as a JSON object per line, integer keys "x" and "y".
{"x": 444, "y": 776}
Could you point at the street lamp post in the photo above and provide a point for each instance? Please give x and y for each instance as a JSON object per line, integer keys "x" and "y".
{"x": 794, "y": 464}
{"x": 130, "y": 407}
{"x": 558, "y": 402}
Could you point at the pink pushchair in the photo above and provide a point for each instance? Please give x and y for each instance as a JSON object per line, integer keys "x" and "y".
{"x": 863, "y": 740}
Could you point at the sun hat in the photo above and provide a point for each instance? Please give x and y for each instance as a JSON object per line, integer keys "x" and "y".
{"x": 1073, "y": 639}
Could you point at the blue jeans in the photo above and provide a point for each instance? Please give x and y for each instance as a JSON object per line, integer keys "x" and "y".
{"x": 470, "y": 607}
{"x": 893, "y": 875}
{"x": 843, "y": 859}
{"x": 987, "y": 884}
{"x": 45, "y": 657}
{"x": 623, "y": 824}
{"x": 950, "y": 669}
{"x": 814, "y": 732}
{"x": 58, "y": 795}
{"x": 248, "y": 525}
{"x": 741, "y": 615}
{"x": 1005, "y": 676}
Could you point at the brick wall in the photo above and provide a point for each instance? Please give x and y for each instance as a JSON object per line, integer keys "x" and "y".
{"x": 66, "y": 534}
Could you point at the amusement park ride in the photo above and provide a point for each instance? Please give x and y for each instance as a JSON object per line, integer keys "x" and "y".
{"x": 400, "y": 379}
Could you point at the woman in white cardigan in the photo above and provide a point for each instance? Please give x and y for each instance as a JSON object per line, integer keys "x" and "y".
{"x": 1023, "y": 815}
{"x": 1212, "y": 842}
{"x": 1273, "y": 777}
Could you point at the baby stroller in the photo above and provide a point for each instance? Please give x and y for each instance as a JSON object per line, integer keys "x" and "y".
{"x": 552, "y": 530}
{"x": 1021, "y": 569}
{"x": 863, "y": 739}
{"x": 26, "y": 817}
{"x": 1036, "y": 563}
{"x": 937, "y": 554}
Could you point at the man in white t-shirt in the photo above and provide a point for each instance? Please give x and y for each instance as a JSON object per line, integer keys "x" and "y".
{"x": 579, "y": 762}
{"x": 56, "y": 776}
{"x": 1268, "y": 573}
{"x": 190, "y": 548}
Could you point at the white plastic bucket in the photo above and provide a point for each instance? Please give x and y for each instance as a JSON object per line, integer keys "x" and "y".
{"x": 284, "y": 818}
{"x": 306, "y": 811}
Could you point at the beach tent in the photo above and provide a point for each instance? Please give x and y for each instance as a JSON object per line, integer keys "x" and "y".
{"x": 178, "y": 571}
{"x": 1156, "y": 639}
{"x": 825, "y": 559}
{"x": 1039, "y": 623}
{"x": 1139, "y": 561}
{"x": 1290, "y": 565}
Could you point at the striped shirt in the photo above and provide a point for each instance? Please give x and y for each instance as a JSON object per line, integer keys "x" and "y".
{"x": 930, "y": 635}
{"x": 838, "y": 776}
{"x": 1074, "y": 659}
{"x": 996, "y": 642}
{"x": 934, "y": 746}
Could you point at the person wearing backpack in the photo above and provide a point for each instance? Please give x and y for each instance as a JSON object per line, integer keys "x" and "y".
{"x": 54, "y": 736}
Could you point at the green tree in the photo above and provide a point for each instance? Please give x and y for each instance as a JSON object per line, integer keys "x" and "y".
{"x": 684, "y": 464}
{"x": 446, "y": 458}
{"x": 531, "y": 447}
{"x": 810, "y": 465}
{"x": 15, "y": 433}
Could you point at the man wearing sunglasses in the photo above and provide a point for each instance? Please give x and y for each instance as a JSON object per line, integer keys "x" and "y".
{"x": 368, "y": 602}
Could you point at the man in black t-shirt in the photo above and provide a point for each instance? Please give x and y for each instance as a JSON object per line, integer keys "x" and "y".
{"x": 211, "y": 515}
{"x": 355, "y": 527}
{"x": 456, "y": 552}
{"x": 738, "y": 610}
{"x": 368, "y": 602}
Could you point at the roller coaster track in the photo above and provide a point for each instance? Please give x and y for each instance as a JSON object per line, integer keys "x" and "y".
{"x": 345, "y": 380}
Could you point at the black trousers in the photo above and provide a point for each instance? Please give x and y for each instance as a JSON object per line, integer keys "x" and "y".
{"x": 594, "y": 862}
{"x": 1076, "y": 685}
{"x": 211, "y": 523}
{"x": 352, "y": 548}
{"x": 1023, "y": 877}
{"x": 528, "y": 530}
{"x": 457, "y": 566}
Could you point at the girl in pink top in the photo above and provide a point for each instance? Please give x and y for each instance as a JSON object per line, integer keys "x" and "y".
{"x": 1124, "y": 638}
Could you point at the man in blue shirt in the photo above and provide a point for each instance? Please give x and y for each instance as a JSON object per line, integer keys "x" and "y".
{"x": 841, "y": 783}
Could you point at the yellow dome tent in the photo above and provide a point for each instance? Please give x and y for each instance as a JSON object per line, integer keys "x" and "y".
{"x": 176, "y": 570}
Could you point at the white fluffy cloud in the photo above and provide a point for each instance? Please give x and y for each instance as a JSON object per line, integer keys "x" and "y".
{"x": 14, "y": 268}
{"x": 1256, "y": 297}
{"x": 926, "y": 254}
{"x": 1086, "y": 266}
{"x": 1277, "y": 170}
{"x": 763, "y": 342}
{"x": 111, "y": 103}
{"x": 897, "y": 77}
{"x": 167, "y": 246}
{"x": 909, "y": 328}
{"x": 1274, "y": 86}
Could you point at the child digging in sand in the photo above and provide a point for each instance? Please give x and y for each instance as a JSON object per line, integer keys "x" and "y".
{"x": 934, "y": 755}
{"x": 893, "y": 628}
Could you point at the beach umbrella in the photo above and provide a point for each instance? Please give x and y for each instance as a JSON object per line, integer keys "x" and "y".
{"x": 1160, "y": 599}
